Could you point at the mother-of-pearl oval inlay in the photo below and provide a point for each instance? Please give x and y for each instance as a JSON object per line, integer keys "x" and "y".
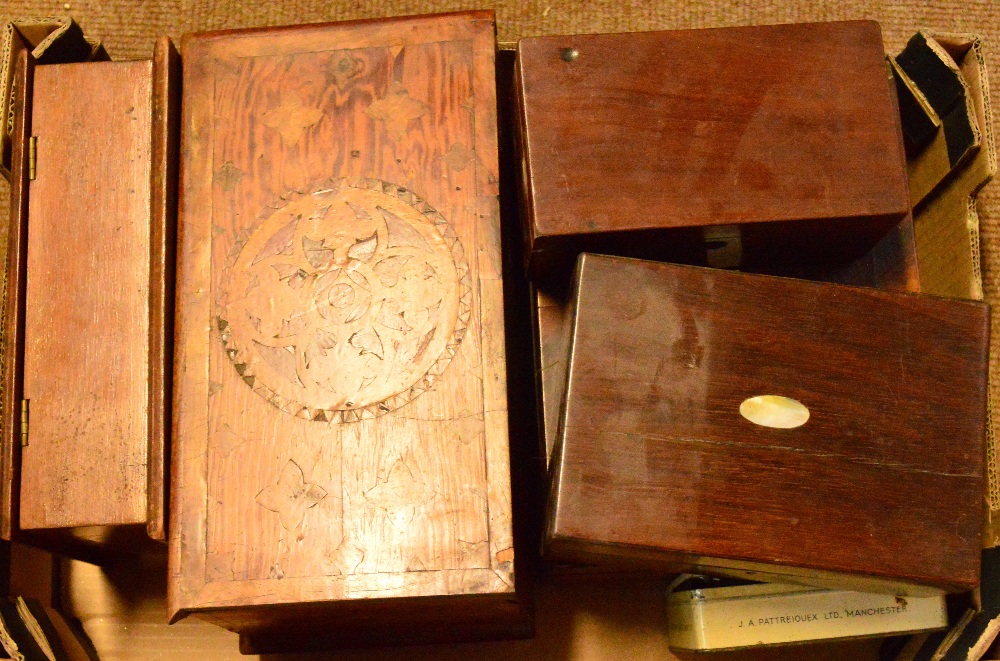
{"x": 774, "y": 411}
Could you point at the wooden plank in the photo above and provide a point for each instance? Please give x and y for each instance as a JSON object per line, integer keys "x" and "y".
{"x": 86, "y": 371}
{"x": 785, "y": 132}
{"x": 163, "y": 241}
{"x": 880, "y": 488}
{"x": 341, "y": 416}
{"x": 13, "y": 301}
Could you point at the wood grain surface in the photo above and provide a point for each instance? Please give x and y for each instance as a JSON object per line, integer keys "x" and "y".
{"x": 340, "y": 403}
{"x": 162, "y": 251}
{"x": 552, "y": 314}
{"x": 881, "y": 488}
{"x": 786, "y": 132}
{"x": 13, "y": 301}
{"x": 890, "y": 265}
{"x": 86, "y": 372}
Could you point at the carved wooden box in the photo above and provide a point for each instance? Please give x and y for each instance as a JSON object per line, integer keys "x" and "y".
{"x": 88, "y": 307}
{"x": 734, "y": 423}
{"x": 665, "y": 144}
{"x": 340, "y": 459}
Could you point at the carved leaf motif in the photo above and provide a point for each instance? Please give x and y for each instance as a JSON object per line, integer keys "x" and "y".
{"x": 389, "y": 268}
{"x": 293, "y": 325}
{"x": 320, "y": 213}
{"x": 316, "y": 254}
{"x": 291, "y": 273}
{"x": 321, "y": 342}
{"x": 290, "y": 496}
{"x": 402, "y": 233}
{"x": 358, "y": 312}
{"x": 417, "y": 317}
{"x": 325, "y": 281}
{"x": 366, "y": 381}
{"x": 358, "y": 280}
{"x": 359, "y": 212}
{"x": 364, "y": 249}
{"x": 391, "y": 316}
{"x": 279, "y": 244}
{"x": 430, "y": 274}
{"x": 399, "y": 490}
{"x": 280, "y": 360}
{"x": 396, "y": 109}
{"x": 285, "y": 270}
{"x": 342, "y": 295}
{"x": 290, "y": 119}
{"x": 368, "y": 341}
{"x": 424, "y": 342}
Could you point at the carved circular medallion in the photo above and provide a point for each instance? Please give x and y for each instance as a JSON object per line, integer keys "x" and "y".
{"x": 346, "y": 301}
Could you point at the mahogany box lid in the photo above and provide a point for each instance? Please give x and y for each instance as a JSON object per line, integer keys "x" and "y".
{"x": 660, "y": 459}
{"x": 340, "y": 440}
{"x": 634, "y": 143}
{"x": 890, "y": 265}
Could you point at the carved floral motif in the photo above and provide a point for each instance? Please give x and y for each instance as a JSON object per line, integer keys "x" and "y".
{"x": 396, "y": 110}
{"x": 228, "y": 176}
{"x": 346, "y": 302}
{"x": 290, "y": 119}
{"x": 290, "y": 496}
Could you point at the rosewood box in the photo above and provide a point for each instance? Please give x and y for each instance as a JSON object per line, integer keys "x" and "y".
{"x": 88, "y": 304}
{"x": 671, "y": 145}
{"x": 717, "y": 421}
{"x": 340, "y": 459}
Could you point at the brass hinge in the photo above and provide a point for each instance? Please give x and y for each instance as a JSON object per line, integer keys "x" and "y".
{"x": 24, "y": 423}
{"x": 32, "y": 157}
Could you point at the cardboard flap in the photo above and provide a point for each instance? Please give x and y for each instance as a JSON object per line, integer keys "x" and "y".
{"x": 51, "y": 39}
{"x": 930, "y": 68}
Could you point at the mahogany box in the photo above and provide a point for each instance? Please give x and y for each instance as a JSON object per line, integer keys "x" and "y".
{"x": 890, "y": 265}
{"x": 341, "y": 470}
{"x": 671, "y": 145}
{"x": 772, "y": 428}
{"x": 87, "y": 304}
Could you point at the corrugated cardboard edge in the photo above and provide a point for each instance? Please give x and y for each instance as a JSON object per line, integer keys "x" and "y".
{"x": 947, "y": 233}
{"x": 931, "y": 168}
{"x": 946, "y": 228}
